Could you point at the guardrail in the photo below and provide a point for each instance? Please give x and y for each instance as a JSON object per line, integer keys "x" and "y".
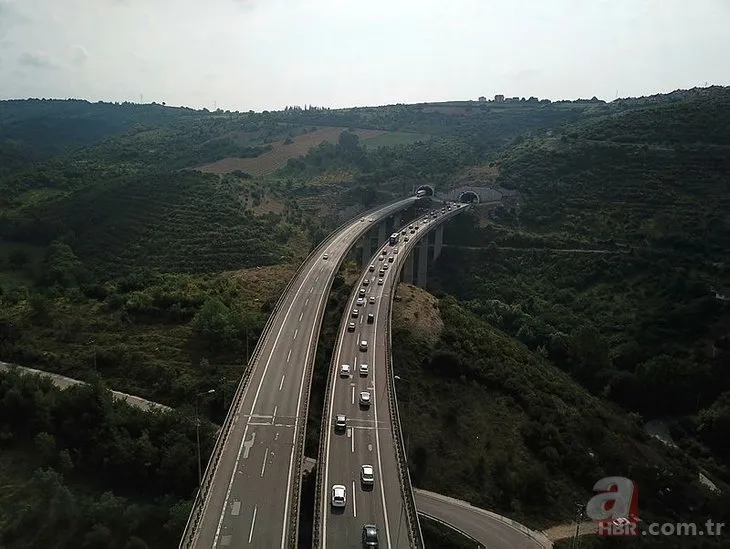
{"x": 414, "y": 526}
{"x": 200, "y": 496}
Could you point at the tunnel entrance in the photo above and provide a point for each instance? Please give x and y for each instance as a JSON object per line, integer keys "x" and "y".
{"x": 469, "y": 197}
{"x": 424, "y": 191}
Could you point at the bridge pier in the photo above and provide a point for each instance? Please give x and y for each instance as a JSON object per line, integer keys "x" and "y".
{"x": 382, "y": 232}
{"x": 422, "y": 262}
{"x": 366, "y": 243}
{"x": 438, "y": 242}
{"x": 408, "y": 269}
{"x": 396, "y": 221}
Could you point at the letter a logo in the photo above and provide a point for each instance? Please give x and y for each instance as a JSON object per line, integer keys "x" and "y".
{"x": 617, "y": 497}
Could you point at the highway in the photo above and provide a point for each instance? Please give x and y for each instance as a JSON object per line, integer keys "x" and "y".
{"x": 368, "y": 438}
{"x": 489, "y": 529}
{"x": 253, "y": 496}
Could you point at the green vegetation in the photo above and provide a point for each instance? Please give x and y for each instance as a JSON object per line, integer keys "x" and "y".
{"x": 79, "y": 469}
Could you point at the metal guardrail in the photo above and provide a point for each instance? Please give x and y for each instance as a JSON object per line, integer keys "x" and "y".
{"x": 414, "y": 530}
{"x": 200, "y": 496}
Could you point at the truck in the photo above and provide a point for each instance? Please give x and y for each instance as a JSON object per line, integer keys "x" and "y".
{"x": 420, "y": 193}
{"x": 394, "y": 239}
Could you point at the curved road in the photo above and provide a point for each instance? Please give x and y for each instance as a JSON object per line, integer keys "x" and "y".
{"x": 368, "y": 438}
{"x": 253, "y": 498}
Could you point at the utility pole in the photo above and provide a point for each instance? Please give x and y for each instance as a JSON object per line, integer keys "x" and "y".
{"x": 578, "y": 519}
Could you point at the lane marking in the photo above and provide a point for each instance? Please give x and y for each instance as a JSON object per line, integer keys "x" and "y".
{"x": 263, "y": 465}
{"x": 273, "y": 416}
{"x": 306, "y": 301}
{"x": 311, "y": 289}
{"x": 281, "y": 384}
{"x": 253, "y": 523}
{"x": 288, "y": 355}
{"x": 353, "y": 395}
{"x": 301, "y": 315}
{"x": 248, "y": 444}
{"x": 295, "y": 333}
{"x": 253, "y": 406}
{"x": 354, "y": 505}
{"x": 352, "y": 443}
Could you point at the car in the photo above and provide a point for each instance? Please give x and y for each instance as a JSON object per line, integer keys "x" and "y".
{"x": 382, "y": 271}
{"x": 363, "y": 346}
{"x": 403, "y": 232}
{"x": 371, "y": 300}
{"x": 395, "y": 251}
{"x": 364, "y": 399}
{"x": 325, "y": 256}
{"x": 370, "y": 536}
{"x": 362, "y": 292}
{"x": 339, "y": 495}
{"x": 370, "y": 219}
{"x": 367, "y": 475}
{"x": 413, "y": 232}
{"x": 390, "y": 259}
{"x": 410, "y": 226}
{"x": 360, "y": 302}
{"x": 355, "y": 313}
{"x": 371, "y": 318}
{"x": 385, "y": 266}
{"x": 380, "y": 282}
{"x": 351, "y": 327}
{"x": 340, "y": 422}
{"x": 381, "y": 258}
{"x": 405, "y": 238}
{"x": 384, "y": 252}
{"x": 363, "y": 368}
{"x": 362, "y": 220}
{"x": 415, "y": 227}
{"x": 372, "y": 268}
{"x": 366, "y": 281}
{"x": 345, "y": 370}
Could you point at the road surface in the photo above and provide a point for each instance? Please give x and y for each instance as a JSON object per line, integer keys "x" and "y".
{"x": 252, "y": 495}
{"x": 368, "y": 438}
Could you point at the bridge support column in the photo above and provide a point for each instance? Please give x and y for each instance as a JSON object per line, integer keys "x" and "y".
{"x": 382, "y": 232}
{"x": 396, "y": 221}
{"x": 408, "y": 269}
{"x": 365, "y": 242}
{"x": 422, "y": 261}
{"x": 439, "y": 242}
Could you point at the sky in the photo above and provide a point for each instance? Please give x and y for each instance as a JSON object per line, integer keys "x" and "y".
{"x": 268, "y": 54}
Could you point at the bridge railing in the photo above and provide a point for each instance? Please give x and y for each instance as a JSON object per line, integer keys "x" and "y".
{"x": 202, "y": 493}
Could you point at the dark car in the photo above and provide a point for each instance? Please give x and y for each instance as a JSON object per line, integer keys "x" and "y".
{"x": 370, "y": 536}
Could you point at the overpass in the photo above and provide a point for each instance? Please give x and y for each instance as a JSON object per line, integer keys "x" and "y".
{"x": 250, "y": 493}
{"x": 371, "y": 435}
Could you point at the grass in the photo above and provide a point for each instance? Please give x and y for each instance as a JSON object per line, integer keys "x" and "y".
{"x": 391, "y": 139}
{"x": 276, "y": 158}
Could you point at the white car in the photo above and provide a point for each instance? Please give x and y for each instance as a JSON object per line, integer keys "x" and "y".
{"x": 345, "y": 370}
{"x": 372, "y": 268}
{"x": 363, "y": 346}
{"x": 395, "y": 251}
{"x": 339, "y": 495}
{"x": 355, "y": 312}
{"x": 325, "y": 256}
{"x": 365, "y": 399}
{"x": 363, "y": 370}
{"x": 405, "y": 238}
{"x": 367, "y": 475}
{"x": 366, "y": 281}
{"x": 360, "y": 301}
{"x": 380, "y": 282}
{"x": 371, "y": 300}
{"x": 351, "y": 327}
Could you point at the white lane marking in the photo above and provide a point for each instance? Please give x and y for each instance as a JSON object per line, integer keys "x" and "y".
{"x": 354, "y": 505}
{"x": 311, "y": 289}
{"x": 281, "y": 384}
{"x": 300, "y": 316}
{"x": 247, "y": 445}
{"x": 253, "y": 523}
{"x": 253, "y": 406}
{"x": 298, "y": 424}
{"x": 316, "y": 279}
{"x": 295, "y": 333}
{"x": 263, "y": 465}
{"x": 353, "y": 395}
{"x": 274, "y": 415}
{"x": 352, "y": 443}
{"x": 288, "y": 355}
{"x": 377, "y": 444}
{"x": 306, "y": 302}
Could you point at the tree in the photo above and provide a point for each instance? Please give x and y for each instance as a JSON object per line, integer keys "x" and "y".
{"x": 213, "y": 322}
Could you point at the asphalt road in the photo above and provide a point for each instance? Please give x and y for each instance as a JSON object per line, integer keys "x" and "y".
{"x": 487, "y": 528}
{"x": 368, "y": 437}
{"x": 249, "y": 501}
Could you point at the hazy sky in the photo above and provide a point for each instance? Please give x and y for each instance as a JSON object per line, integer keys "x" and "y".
{"x": 266, "y": 54}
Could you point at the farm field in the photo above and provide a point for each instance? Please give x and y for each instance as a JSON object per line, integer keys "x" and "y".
{"x": 277, "y": 157}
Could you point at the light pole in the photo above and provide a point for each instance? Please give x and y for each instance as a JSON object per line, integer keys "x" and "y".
{"x": 197, "y": 434}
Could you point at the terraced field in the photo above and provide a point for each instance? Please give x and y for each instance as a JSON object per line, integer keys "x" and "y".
{"x": 183, "y": 222}
{"x": 277, "y": 157}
